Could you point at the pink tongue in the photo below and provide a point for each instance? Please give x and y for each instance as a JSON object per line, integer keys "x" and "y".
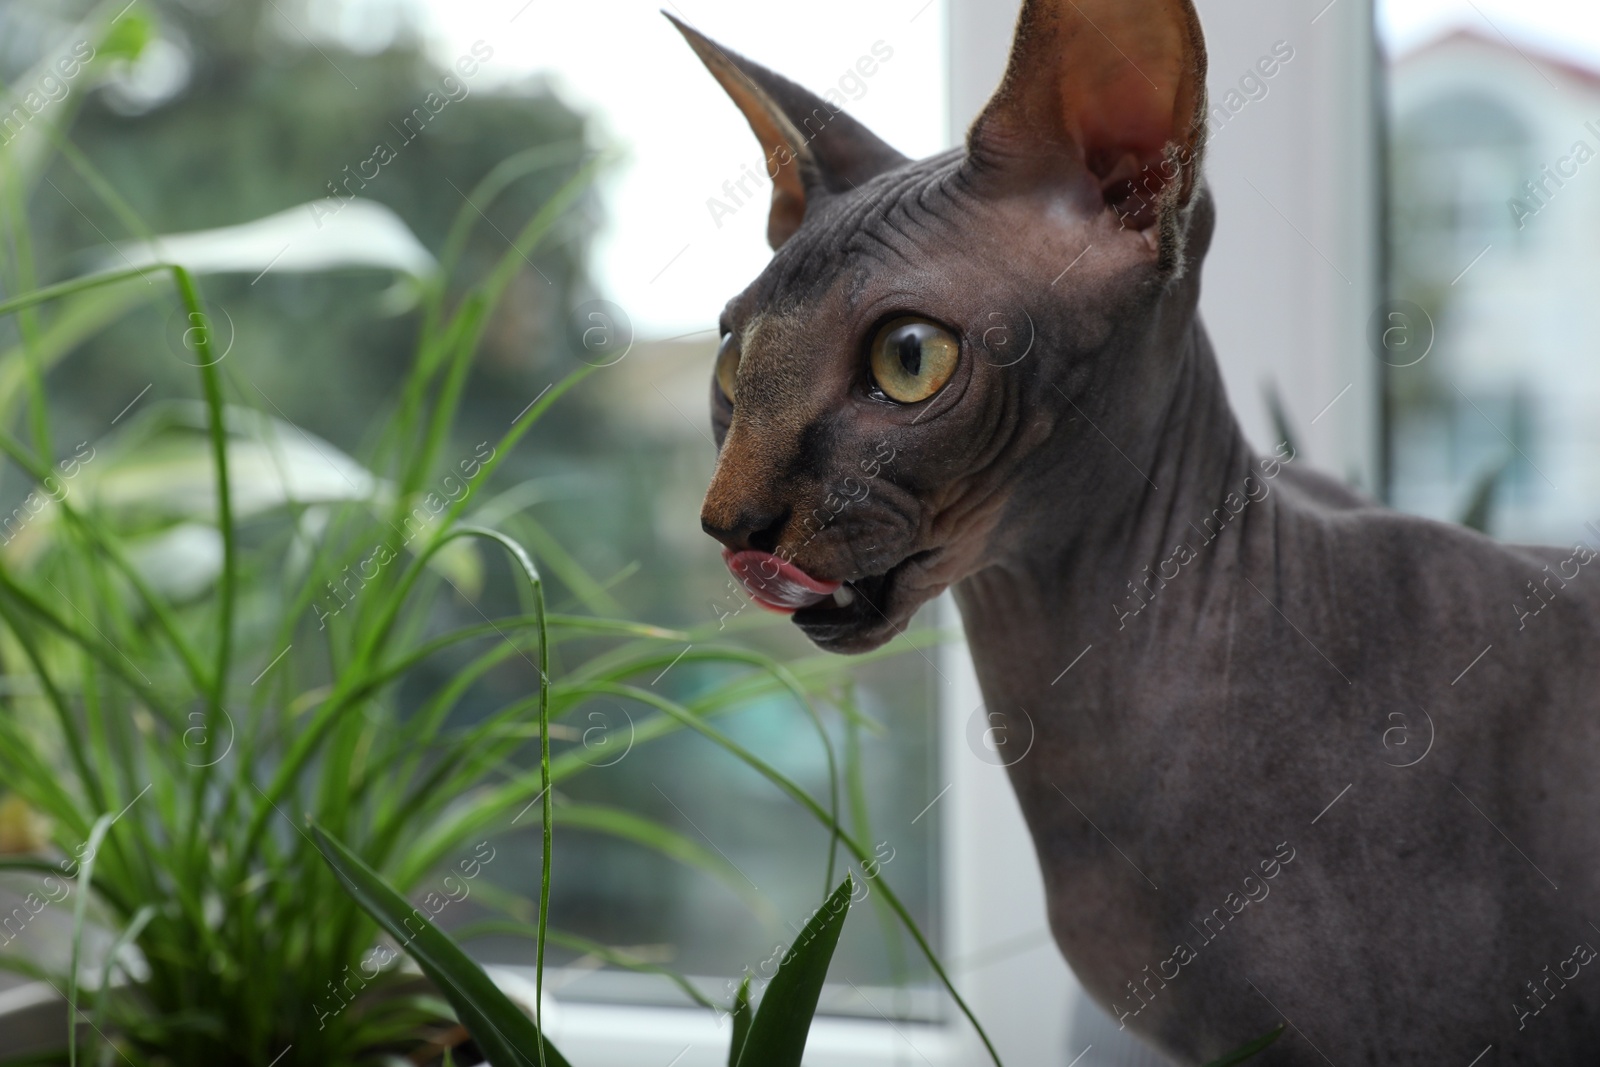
{"x": 775, "y": 584}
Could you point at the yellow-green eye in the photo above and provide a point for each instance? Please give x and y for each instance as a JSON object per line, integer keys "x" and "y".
{"x": 912, "y": 359}
{"x": 727, "y": 365}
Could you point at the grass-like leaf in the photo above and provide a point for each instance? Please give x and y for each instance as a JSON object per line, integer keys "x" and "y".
{"x": 503, "y": 1033}
{"x": 777, "y": 1036}
{"x": 741, "y": 1021}
{"x": 97, "y": 837}
{"x": 124, "y": 688}
{"x": 1479, "y": 511}
{"x": 1250, "y": 1050}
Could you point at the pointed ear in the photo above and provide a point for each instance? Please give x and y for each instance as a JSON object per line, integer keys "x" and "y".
{"x": 813, "y": 149}
{"x": 1112, "y": 91}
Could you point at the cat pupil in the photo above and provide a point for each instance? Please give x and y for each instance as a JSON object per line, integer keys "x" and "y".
{"x": 910, "y": 347}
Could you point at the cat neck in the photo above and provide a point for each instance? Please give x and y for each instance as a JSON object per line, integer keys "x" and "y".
{"x": 1144, "y": 563}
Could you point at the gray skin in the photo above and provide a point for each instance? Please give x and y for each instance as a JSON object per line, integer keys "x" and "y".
{"x": 1307, "y": 642}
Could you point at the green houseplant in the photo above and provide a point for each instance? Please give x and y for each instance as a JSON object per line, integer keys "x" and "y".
{"x": 773, "y": 1035}
{"x": 205, "y": 632}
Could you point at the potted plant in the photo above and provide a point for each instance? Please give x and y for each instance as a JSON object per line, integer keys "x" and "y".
{"x": 206, "y": 615}
{"x": 507, "y": 1035}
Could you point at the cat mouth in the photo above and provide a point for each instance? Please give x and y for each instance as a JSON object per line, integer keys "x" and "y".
{"x": 835, "y": 615}
{"x": 861, "y": 608}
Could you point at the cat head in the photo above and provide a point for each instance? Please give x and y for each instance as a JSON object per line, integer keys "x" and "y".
{"x": 917, "y": 385}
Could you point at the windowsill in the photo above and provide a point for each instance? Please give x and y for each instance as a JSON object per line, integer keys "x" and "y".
{"x": 605, "y": 1035}
{"x": 850, "y": 1000}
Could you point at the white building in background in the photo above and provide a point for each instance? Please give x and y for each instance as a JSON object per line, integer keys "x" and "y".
{"x": 1496, "y": 216}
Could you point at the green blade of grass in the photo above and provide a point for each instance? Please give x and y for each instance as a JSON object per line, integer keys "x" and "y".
{"x": 777, "y": 1036}
{"x": 355, "y": 680}
{"x": 78, "y": 320}
{"x": 78, "y": 285}
{"x": 804, "y": 799}
{"x": 565, "y": 567}
{"x": 1249, "y": 1050}
{"x": 1480, "y": 505}
{"x": 503, "y": 1033}
{"x": 97, "y": 836}
{"x": 616, "y": 957}
{"x": 740, "y": 1017}
{"x": 861, "y": 824}
{"x": 530, "y": 574}
{"x": 200, "y": 327}
{"x": 113, "y": 961}
{"x": 648, "y": 833}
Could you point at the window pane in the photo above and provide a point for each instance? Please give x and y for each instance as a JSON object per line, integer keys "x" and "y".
{"x": 252, "y": 108}
{"x": 1495, "y": 253}
{"x": 682, "y": 229}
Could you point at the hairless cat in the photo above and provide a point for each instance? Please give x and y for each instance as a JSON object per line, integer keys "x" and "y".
{"x": 1355, "y": 750}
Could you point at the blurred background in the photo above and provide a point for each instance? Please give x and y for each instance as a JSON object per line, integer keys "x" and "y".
{"x": 241, "y": 109}
{"x": 1494, "y": 118}
{"x": 1404, "y": 279}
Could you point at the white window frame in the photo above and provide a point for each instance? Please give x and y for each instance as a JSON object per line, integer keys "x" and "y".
{"x": 1293, "y": 278}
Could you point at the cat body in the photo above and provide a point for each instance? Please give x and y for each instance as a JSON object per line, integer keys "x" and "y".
{"x": 1293, "y": 755}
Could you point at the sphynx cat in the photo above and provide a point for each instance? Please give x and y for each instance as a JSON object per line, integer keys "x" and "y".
{"x": 1357, "y": 751}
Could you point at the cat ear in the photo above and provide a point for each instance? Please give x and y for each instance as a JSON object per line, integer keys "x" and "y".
{"x": 1111, "y": 91}
{"x": 812, "y": 148}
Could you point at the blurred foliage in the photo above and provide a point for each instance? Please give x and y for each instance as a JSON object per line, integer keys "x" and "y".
{"x": 260, "y": 121}
{"x": 231, "y": 115}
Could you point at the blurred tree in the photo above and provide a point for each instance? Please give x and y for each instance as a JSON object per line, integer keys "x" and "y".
{"x": 233, "y": 114}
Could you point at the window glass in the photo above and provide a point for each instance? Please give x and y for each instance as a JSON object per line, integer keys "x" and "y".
{"x": 681, "y": 228}
{"x": 245, "y": 109}
{"x": 1495, "y": 254}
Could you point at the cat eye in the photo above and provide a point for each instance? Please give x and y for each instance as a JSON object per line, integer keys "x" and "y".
{"x": 911, "y": 359}
{"x": 727, "y": 365}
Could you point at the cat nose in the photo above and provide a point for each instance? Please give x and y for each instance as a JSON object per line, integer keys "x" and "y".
{"x": 748, "y": 528}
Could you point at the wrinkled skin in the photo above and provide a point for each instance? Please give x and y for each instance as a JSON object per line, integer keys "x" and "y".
{"x": 1284, "y": 715}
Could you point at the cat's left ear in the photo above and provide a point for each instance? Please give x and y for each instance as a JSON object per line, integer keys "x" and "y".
{"x": 812, "y": 148}
{"x": 1106, "y": 98}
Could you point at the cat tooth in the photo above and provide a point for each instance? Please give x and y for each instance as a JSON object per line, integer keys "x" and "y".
{"x": 843, "y": 596}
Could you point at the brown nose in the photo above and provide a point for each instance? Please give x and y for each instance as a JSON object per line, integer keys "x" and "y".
{"x": 746, "y": 527}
